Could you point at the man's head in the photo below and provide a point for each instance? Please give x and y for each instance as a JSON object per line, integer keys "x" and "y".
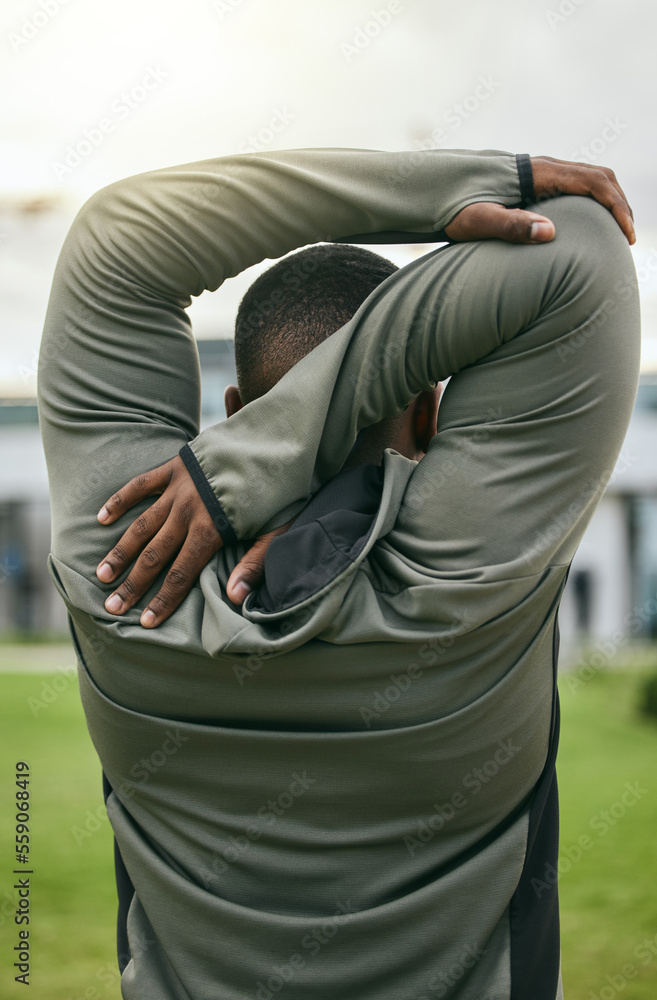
{"x": 295, "y": 305}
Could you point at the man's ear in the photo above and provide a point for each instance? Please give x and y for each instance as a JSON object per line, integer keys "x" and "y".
{"x": 425, "y": 416}
{"x": 232, "y": 400}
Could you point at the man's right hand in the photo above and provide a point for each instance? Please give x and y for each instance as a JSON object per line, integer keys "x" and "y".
{"x": 485, "y": 220}
{"x": 480, "y": 221}
{"x": 250, "y": 570}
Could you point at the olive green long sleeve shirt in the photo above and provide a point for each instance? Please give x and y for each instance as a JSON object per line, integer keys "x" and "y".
{"x": 345, "y": 789}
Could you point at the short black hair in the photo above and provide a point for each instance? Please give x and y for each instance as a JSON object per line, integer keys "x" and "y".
{"x": 295, "y": 305}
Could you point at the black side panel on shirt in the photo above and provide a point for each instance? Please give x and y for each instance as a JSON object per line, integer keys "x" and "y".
{"x": 125, "y": 891}
{"x": 124, "y": 887}
{"x": 534, "y": 911}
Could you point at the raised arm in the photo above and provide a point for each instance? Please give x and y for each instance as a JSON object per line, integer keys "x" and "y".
{"x": 479, "y": 309}
{"x": 118, "y": 374}
{"x": 218, "y": 473}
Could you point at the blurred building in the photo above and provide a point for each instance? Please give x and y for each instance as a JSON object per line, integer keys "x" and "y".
{"x": 612, "y": 588}
{"x": 28, "y": 600}
{"x": 611, "y": 595}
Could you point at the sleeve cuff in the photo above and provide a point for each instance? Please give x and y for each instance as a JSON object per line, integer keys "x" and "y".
{"x": 215, "y": 510}
{"x": 525, "y": 178}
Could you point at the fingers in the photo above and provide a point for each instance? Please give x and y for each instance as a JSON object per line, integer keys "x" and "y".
{"x": 487, "y": 220}
{"x": 198, "y": 546}
{"x": 626, "y": 222}
{"x": 140, "y": 532}
{"x": 248, "y": 573}
{"x": 600, "y": 183}
{"x": 177, "y": 525}
{"x": 145, "y": 485}
{"x": 608, "y": 193}
{"x": 552, "y": 177}
{"x": 198, "y": 549}
{"x": 250, "y": 570}
{"x": 151, "y": 561}
{"x": 520, "y": 226}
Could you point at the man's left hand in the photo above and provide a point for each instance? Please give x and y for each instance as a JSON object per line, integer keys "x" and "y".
{"x": 177, "y": 525}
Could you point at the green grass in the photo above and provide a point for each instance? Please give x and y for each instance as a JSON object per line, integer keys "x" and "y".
{"x": 608, "y": 899}
{"x": 73, "y": 907}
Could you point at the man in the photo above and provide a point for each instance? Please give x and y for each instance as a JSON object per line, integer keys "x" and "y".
{"x": 345, "y": 787}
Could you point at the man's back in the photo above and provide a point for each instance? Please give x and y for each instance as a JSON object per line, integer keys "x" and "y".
{"x": 337, "y": 792}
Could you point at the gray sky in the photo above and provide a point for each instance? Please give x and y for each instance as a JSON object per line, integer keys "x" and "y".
{"x": 156, "y": 82}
